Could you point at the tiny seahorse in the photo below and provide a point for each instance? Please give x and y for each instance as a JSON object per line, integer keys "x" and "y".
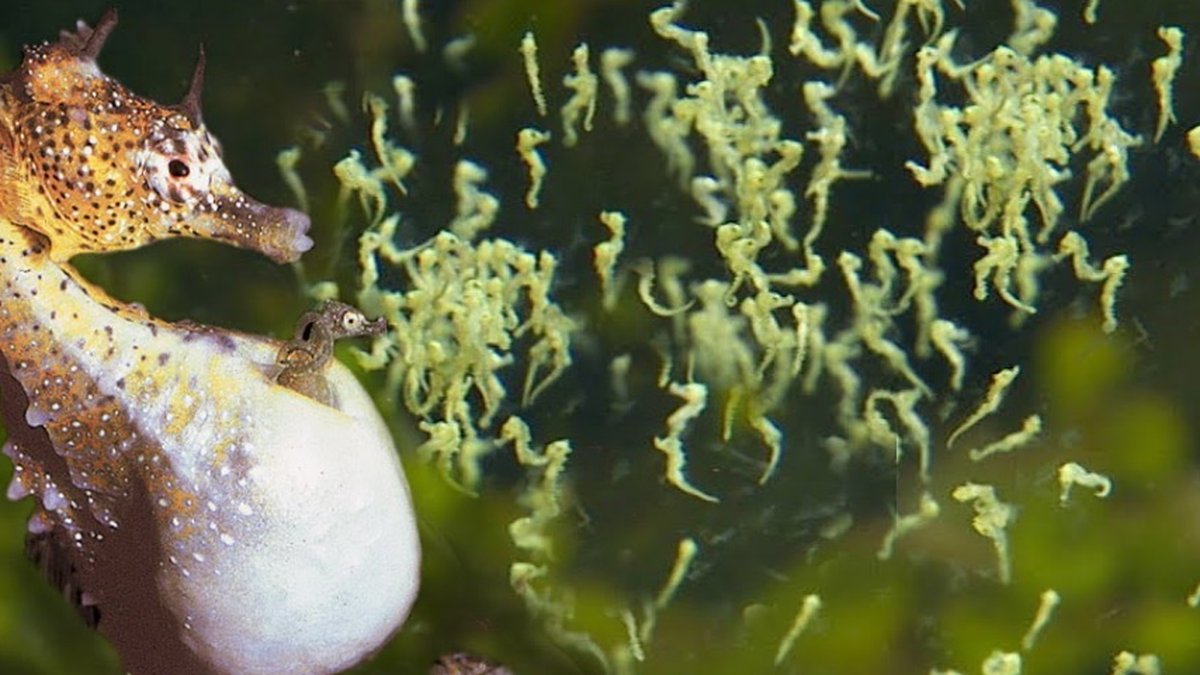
{"x": 305, "y": 358}
{"x": 207, "y": 519}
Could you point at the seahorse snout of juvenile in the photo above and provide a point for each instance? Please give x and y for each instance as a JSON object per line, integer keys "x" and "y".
{"x": 95, "y": 167}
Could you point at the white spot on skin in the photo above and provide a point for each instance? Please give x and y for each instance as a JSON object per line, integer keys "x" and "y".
{"x": 53, "y": 499}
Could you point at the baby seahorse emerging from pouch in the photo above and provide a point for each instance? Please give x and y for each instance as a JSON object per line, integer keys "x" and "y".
{"x": 310, "y": 352}
{"x": 204, "y": 517}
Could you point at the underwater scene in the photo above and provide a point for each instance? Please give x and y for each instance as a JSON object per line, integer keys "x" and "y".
{"x": 777, "y": 336}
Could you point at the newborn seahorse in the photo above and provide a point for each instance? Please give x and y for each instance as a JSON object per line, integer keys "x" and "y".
{"x": 305, "y": 358}
{"x": 208, "y": 518}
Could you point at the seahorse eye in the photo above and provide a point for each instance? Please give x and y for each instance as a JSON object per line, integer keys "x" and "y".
{"x": 177, "y": 168}
{"x": 351, "y": 320}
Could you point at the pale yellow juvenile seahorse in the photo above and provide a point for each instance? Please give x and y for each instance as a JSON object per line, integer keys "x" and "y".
{"x": 207, "y": 518}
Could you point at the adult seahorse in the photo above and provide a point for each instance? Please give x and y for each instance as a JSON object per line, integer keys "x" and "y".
{"x": 210, "y": 519}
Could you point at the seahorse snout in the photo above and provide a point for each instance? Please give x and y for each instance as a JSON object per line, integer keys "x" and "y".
{"x": 279, "y": 233}
{"x": 298, "y": 223}
{"x": 286, "y": 237}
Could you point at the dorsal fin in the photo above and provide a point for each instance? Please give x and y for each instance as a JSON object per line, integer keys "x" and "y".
{"x": 48, "y": 554}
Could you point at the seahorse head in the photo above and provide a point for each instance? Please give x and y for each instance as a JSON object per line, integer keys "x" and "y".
{"x": 99, "y": 168}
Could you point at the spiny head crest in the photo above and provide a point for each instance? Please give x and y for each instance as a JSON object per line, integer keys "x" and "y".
{"x": 190, "y": 105}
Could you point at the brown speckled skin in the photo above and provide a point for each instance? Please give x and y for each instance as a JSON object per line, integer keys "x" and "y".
{"x": 90, "y": 386}
{"x": 90, "y": 392}
{"x": 94, "y": 167}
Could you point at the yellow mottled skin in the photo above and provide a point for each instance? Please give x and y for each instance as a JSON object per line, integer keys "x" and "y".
{"x": 94, "y": 167}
